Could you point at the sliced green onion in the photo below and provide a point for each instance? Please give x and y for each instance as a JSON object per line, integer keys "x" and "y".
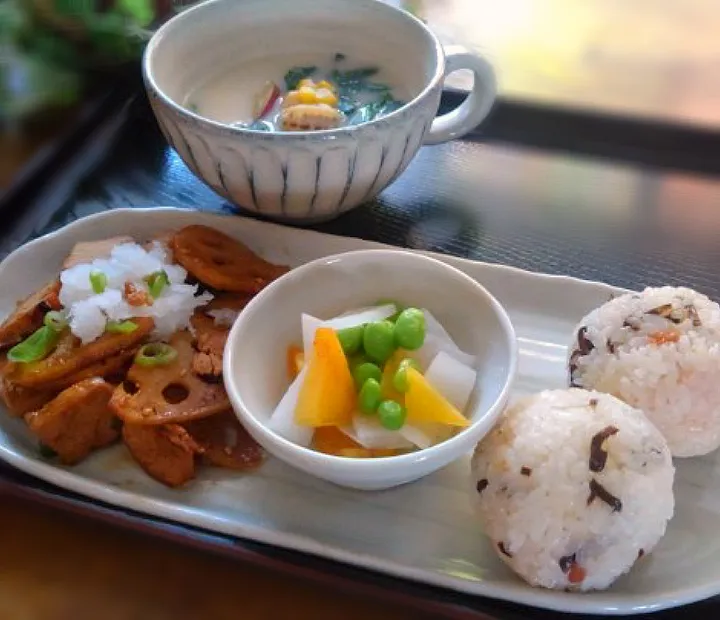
{"x": 98, "y": 281}
{"x": 155, "y": 354}
{"x": 35, "y": 347}
{"x": 157, "y": 282}
{"x": 120, "y": 327}
{"x": 56, "y": 320}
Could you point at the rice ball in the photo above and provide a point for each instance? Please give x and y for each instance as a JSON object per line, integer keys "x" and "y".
{"x": 659, "y": 351}
{"x": 572, "y": 487}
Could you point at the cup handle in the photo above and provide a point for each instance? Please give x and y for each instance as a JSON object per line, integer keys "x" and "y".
{"x": 475, "y": 108}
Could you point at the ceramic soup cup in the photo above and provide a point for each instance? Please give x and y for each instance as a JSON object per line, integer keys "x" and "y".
{"x": 306, "y": 176}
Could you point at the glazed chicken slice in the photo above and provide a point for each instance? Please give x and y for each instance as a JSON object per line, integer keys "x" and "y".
{"x": 166, "y": 453}
{"x": 28, "y": 315}
{"x": 19, "y": 400}
{"x": 77, "y": 421}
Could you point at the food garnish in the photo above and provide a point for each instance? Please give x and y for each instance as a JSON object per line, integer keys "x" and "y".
{"x": 55, "y": 320}
{"x": 121, "y": 327}
{"x": 98, "y": 281}
{"x": 155, "y": 354}
{"x": 157, "y": 282}
{"x": 36, "y": 347}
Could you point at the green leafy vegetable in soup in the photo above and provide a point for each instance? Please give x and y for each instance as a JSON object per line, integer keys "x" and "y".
{"x": 318, "y": 96}
{"x": 296, "y": 74}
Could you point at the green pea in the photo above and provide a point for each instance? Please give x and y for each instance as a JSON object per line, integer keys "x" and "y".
{"x": 410, "y": 329}
{"x": 370, "y": 396}
{"x": 366, "y": 371}
{"x": 379, "y": 340}
{"x": 351, "y": 339}
{"x": 392, "y": 415}
{"x": 356, "y": 360}
{"x": 400, "y": 377}
{"x": 35, "y": 347}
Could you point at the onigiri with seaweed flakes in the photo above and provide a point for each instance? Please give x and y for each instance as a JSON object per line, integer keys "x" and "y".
{"x": 659, "y": 351}
{"x": 573, "y": 487}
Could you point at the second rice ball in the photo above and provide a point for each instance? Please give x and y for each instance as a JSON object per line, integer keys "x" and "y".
{"x": 659, "y": 351}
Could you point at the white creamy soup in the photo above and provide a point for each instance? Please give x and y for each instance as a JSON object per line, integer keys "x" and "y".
{"x": 322, "y": 92}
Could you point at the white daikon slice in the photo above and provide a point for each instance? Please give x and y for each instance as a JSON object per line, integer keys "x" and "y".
{"x": 453, "y": 379}
{"x": 416, "y": 436}
{"x": 309, "y": 327}
{"x": 437, "y": 339}
{"x": 349, "y": 431}
{"x": 426, "y": 434}
{"x": 369, "y": 433}
{"x": 282, "y": 421}
{"x": 361, "y": 316}
{"x": 353, "y": 318}
{"x": 433, "y": 327}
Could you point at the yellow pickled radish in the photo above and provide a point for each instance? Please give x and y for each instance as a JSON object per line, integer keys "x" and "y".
{"x": 387, "y": 389}
{"x": 327, "y": 396}
{"x": 424, "y": 403}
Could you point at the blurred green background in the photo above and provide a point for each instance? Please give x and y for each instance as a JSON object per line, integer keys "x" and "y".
{"x": 50, "y": 50}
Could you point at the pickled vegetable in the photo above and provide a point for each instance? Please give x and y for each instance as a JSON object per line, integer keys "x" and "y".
{"x": 327, "y": 396}
{"x": 425, "y": 404}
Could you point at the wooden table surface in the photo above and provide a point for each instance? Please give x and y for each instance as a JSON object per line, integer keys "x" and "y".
{"x": 54, "y": 566}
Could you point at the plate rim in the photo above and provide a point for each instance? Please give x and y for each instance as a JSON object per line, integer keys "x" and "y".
{"x": 601, "y": 603}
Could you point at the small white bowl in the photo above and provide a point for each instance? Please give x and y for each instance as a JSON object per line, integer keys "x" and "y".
{"x": 255, "y": 367}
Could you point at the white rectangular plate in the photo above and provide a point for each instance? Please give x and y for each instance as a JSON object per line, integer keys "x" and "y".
{"x": 424, "y": 531}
